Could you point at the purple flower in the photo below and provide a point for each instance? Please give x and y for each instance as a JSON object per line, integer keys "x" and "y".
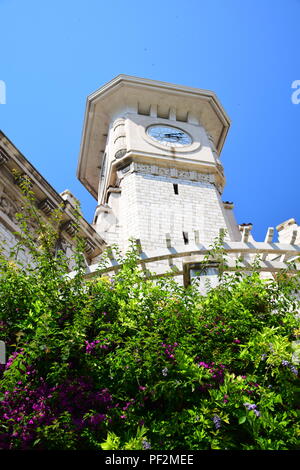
{"x": 89, "y": 347}
{"x": 225, "y": 399}
{"x": 252, "y": 407}
{"x": 13, "y": 357}
{"x": 97, "y": 418}
{"x": 124, "y": 408}
{"x": 293, "y": 370}
{"x": 146, "y": 445}
{"x": 203, "y": 364}
{"x": 169, "y": 350}
{"x": 217, "y": 421}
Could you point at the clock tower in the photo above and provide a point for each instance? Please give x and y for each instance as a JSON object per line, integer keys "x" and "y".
{"x": 150, "y": 157}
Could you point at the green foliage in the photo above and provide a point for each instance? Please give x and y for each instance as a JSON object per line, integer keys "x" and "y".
{"x": 129, "y": 363}
{"x": 138, "y": 442}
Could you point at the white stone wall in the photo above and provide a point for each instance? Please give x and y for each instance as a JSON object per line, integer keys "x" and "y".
{"x": 149, "y": 209}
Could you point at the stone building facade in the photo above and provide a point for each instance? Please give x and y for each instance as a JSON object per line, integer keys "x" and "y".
{"x": 47, "y": 199}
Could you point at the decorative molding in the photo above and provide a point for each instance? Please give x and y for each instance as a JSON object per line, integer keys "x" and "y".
{"x": 175, "y": 173}
{"x": 124, "y": 170}
{"x": 47, "y": 206}
{"x": 3, "y": 157}
{"x": 89, "y": 246}
{"x": 70, "y": 228}
{"x": 167, "y": 172}
{"x": 119, "y": 138}
{"x": 120, "y": 153}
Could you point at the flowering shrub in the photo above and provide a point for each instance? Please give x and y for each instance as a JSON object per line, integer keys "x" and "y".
{"x": 130, "y": 363}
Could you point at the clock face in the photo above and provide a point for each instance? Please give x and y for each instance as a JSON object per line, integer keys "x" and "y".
{"x": 171, "y": 136}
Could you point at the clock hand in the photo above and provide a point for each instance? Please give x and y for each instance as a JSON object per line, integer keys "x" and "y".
{"x": 177, "y": 136}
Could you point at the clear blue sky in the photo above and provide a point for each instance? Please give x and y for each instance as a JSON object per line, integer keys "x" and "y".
{"x": 54, "y": 53}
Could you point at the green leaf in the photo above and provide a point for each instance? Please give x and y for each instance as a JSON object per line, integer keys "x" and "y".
{"x": 242, "y": 419}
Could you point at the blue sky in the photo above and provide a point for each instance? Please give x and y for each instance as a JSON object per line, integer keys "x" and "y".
{"x": 54, "y": 53}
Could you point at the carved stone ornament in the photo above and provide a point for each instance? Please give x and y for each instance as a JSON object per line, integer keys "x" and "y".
{"x": 47, "y": 206}
{"x": 120, "y": 153}
{"x": 3, "y": 157}
{"x": 89, "y": 246}
{"x": 172, "y": 173}
{"x": 70, "y": 228}
{"x": 8, "y": 207}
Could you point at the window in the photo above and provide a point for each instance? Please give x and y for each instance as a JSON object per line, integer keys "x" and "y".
{"x": 206, "y": 272}
{"x": 185, "y": 237}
